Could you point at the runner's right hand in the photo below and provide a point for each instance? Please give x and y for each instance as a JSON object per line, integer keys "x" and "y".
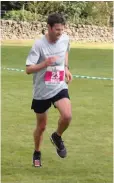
{"x": 50, "y": 60}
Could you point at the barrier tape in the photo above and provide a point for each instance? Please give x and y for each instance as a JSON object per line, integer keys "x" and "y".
{"x": 74, "y": 76}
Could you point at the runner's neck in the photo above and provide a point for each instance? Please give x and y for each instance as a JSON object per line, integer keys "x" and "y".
{"x": 50, "y": 40}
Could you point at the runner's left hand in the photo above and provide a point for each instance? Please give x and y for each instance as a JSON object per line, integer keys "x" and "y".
{"x": 68, "y": 75}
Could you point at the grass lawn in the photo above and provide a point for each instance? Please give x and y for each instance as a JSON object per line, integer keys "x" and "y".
{"x": 89, "y": 137}
{"x": 88, "y": 45}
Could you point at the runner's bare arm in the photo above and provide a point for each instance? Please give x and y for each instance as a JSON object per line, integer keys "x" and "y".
{"x": 66, "y": 60}
{"x": 67, "y": 72}
{"x": 37, "y": 67}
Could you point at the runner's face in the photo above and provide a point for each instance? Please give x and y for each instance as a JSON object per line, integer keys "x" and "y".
{"x": 56, "y": 31}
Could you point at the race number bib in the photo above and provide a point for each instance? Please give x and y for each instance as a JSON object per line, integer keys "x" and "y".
{"x": 54, "y": 75}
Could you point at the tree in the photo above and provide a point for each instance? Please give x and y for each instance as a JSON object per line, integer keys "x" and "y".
{"x": 12, "y": 5}
{"x": 86, "y": 12}
{"x": 102, "y": 12}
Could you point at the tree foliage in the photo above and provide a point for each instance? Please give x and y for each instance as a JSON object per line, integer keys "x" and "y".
{"x": 12, "y": 5}
{"x": 86, "y": 12}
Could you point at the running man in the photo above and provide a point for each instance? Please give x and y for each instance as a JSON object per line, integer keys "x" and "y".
{"x": 48, "y": 61}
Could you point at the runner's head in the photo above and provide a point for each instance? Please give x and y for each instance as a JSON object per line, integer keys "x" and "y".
{"x": 56, "y": 24}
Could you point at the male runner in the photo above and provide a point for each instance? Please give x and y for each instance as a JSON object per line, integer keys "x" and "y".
{"x": 48, "y": 61}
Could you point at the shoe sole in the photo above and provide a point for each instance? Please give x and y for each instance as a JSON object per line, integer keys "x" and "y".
{"x": 53, "y": 143}
{"x": 37, "y": 166}
{"x": 55, "y": 147}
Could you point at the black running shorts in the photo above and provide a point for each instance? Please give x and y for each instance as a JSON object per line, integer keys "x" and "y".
{"x": 40, "y": 106}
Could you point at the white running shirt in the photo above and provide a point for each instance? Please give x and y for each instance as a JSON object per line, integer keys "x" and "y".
{"x": 51, "y": 80}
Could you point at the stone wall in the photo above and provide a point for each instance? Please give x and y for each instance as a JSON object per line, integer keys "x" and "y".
{"x": 80, "y": 33}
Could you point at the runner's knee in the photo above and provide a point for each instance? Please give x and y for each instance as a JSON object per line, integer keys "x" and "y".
{"x": 67, "y": 117}
{"x": 41, "y": 123}
{"x": 42, "y": 127}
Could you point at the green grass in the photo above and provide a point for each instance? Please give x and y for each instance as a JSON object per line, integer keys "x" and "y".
{"x": 73, "y": 44}
{"x": 89, "y": 137}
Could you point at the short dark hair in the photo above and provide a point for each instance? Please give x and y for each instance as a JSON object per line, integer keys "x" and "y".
{"x": 55, "y": 18}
